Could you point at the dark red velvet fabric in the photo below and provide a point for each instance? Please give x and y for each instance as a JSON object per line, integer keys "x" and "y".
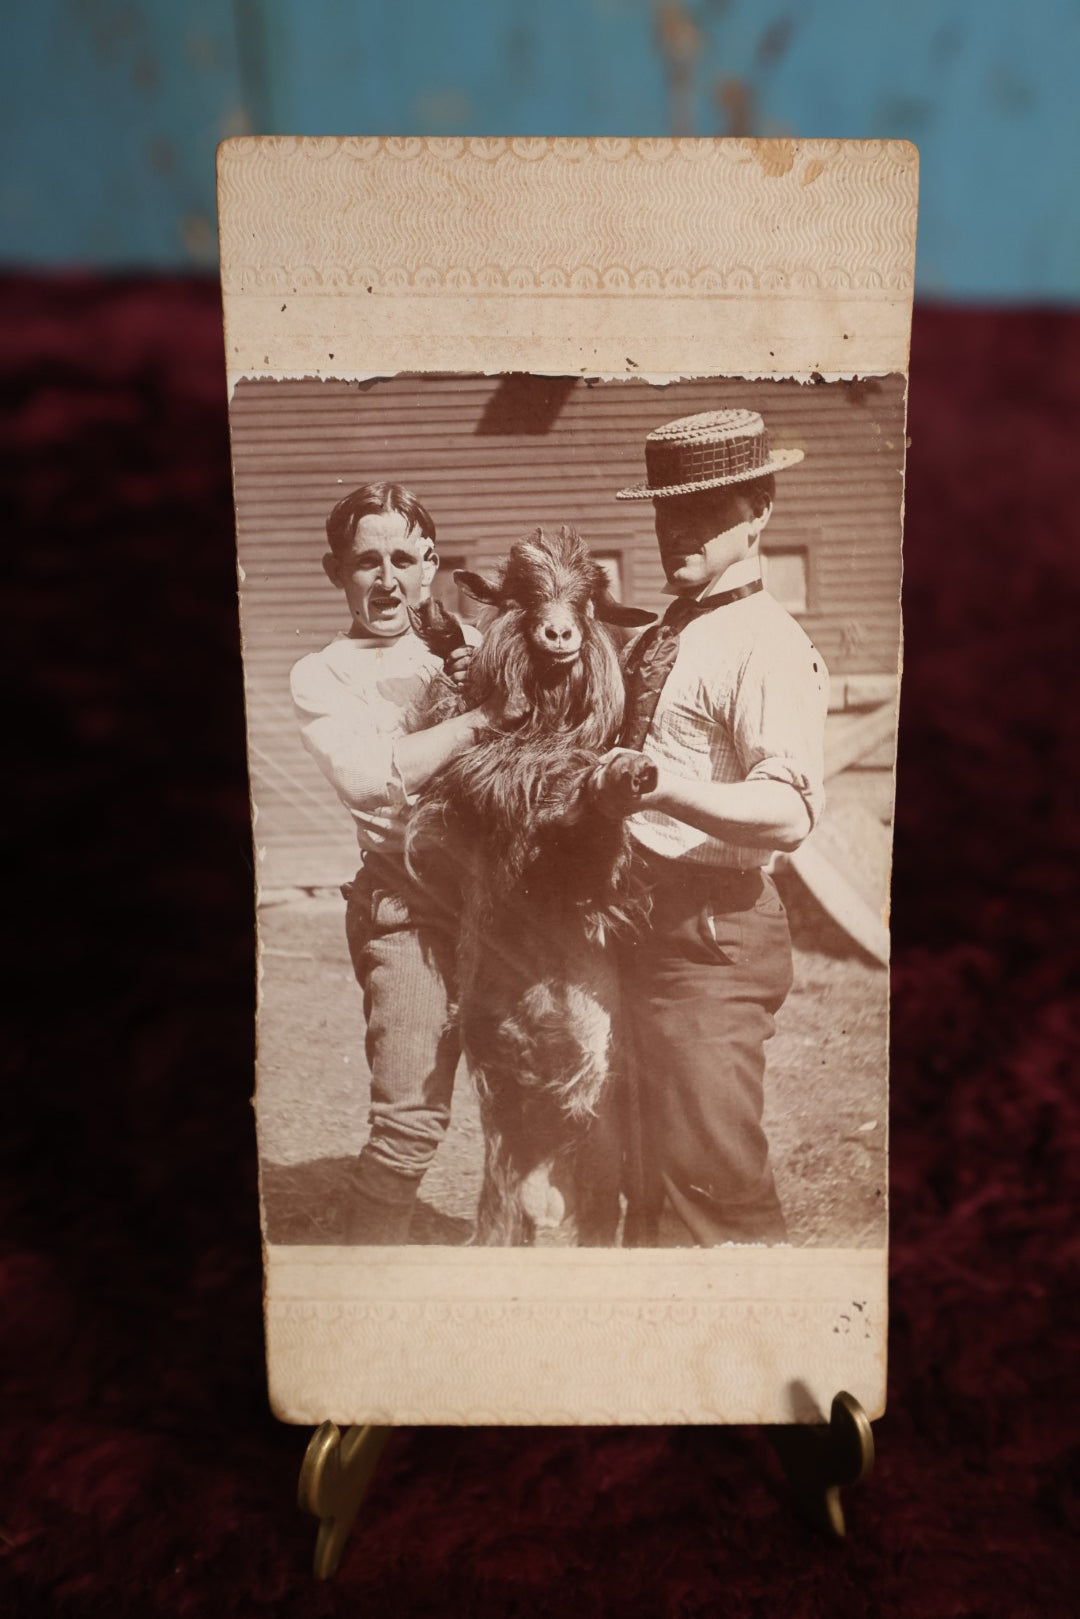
{"x": 140, "y": 1471}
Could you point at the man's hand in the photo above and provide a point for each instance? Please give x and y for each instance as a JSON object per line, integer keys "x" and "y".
{"x": 457, "y": 664}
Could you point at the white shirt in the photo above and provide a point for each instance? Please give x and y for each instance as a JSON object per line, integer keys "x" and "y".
{"x": 746, "y": 700}
{"x": 353, "y": 700}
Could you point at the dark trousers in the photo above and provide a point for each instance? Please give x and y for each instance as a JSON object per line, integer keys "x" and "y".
{"x": 703, "y": 986}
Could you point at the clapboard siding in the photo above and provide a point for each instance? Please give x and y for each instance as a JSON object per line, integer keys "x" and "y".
{"x": 298, "y": 446}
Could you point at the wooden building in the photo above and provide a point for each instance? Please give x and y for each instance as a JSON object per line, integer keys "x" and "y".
{"x": 492, "y": 457}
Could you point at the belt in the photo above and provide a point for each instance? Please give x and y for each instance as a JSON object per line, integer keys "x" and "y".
{"x": 692, "y": 870}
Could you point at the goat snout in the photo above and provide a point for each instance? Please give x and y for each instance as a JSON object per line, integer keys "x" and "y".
{"x": 556, "y": 635}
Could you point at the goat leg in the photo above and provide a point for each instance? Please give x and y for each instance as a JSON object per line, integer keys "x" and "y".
{"x": 615, "y": 787}
{"x": 501, "y": 1220}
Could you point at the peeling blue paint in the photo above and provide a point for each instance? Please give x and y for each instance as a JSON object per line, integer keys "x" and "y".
{"x": 110, "y": 109}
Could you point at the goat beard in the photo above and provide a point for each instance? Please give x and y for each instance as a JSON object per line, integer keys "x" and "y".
{"x": 582, "y": 701}
{"x": 507, "y": 822}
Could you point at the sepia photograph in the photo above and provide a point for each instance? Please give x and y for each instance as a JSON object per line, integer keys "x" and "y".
{"x": 572, "y": 710}
{"x": 542, "y": 807}
{"x": 568, "y": 497}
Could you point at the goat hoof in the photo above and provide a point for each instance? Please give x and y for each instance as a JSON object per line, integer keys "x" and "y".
{"x": 633, "y": 774}
{"x": 616, "y": 786}
{"x": 644, "y": 776}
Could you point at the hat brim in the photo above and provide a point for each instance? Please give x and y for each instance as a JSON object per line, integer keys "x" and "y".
{"x": 778, "y": 460}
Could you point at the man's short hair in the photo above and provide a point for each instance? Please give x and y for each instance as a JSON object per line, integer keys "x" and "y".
{"x": 754, "y": 495}
{"x": 371, "y": 499}
{"x": 759, "y": 493}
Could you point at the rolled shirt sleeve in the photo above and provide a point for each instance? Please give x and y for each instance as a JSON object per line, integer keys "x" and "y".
{"x": 778, "y": 718}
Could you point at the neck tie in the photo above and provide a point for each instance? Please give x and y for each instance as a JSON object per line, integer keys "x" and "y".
{"x": 653, "y": 655}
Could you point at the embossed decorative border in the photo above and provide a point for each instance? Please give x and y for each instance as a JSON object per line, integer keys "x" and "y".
{"x": 488, "y": 1336}
{"x": 424, "y": 216}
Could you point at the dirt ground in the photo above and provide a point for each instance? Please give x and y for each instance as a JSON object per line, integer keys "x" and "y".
{"x": 825, "y": 1087}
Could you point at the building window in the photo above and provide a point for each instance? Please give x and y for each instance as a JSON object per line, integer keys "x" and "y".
{"x": 612, "y": 564}
{"x": 785, "y": 576}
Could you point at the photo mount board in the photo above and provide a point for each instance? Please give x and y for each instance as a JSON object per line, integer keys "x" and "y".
{"x": 353, "y": 259}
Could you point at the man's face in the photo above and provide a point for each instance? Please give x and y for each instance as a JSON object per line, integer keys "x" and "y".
{"x": 386, "y": 571}
{"x": 701, "y": 535}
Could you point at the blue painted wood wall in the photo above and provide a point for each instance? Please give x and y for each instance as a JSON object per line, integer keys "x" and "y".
{"x": 110, "y": 109}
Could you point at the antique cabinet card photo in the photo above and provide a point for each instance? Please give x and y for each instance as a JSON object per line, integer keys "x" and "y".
{"x": 569, "y": 490}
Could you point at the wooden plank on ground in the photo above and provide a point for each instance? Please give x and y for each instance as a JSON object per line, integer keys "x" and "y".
{"x": 851, "y": 737}
{"x": 845, "y": 863}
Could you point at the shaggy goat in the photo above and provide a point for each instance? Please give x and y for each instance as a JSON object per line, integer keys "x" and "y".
{"x": 533, "y": 826}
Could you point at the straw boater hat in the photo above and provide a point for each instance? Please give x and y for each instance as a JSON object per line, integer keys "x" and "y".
{"x": 707, "y": 451}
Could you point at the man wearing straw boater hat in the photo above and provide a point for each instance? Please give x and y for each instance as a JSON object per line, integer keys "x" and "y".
{"x": 728, "y": 697}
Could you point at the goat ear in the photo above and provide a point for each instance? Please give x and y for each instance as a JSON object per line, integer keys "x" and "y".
{"x": 476, "y": 586}
{"x": 609, "y": 611}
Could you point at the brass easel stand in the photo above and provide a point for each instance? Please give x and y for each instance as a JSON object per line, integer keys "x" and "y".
{"x": 334, "y": 1479}
{"x": 819, "y": 1459}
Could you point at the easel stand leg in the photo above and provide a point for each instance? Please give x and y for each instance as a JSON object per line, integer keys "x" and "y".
{"x": 334, "y": 1479}
{"x": 820, "y": 1458}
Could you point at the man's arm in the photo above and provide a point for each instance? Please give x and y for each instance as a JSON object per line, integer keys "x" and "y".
{"x": 776, "y": 718}
{"x": 761, "y": 813}
{"x": 369, "y": 771}
{"x": 368, "y": 768}
{"x": 777, "y": 722}
{"x": 419, "y": 755}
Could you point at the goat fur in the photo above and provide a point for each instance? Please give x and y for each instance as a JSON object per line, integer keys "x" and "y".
{"x": 531, "y": 827}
